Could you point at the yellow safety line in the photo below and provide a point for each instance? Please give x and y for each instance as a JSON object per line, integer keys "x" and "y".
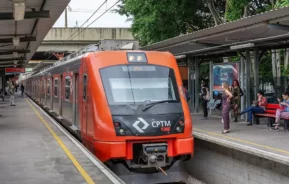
{"x": 65, "y": 149}
{"x": 243, "y": 141}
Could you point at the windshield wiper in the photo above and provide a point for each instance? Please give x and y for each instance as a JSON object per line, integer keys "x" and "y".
{"x": 149, "y": 105}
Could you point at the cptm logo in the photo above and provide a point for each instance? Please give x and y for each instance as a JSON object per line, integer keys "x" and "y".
{"x": 145, "y": 125}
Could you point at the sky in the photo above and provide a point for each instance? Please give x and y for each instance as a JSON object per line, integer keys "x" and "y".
{"x": 81, "y": 10}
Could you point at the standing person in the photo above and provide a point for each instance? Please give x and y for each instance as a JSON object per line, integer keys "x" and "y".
{"x": 237, "y": 94}
{"x": 204, "y": 99}
{"x": 226, "y": 102}
{"x": 188, "y": 96}
{"x": 283, "y": 112}
{"x": 22, "y": 89}
{"x": 259, "y": 107}
{"x": 11, "y": 91}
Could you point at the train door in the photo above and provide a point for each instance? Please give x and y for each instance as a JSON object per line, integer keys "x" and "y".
{"x": 75, "y": 101}
{"x": 60, "y": 94}
{"x": 84, "y": 104}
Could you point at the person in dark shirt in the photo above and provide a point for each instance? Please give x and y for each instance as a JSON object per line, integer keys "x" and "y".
{"x": 22, "y": 89}
{"x": 259, "y": 107}
{"x": 204, "y": 100}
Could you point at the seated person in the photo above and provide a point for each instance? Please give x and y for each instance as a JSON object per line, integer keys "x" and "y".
{"x": 260, "y": 106}
{"x": 283, "y": 112}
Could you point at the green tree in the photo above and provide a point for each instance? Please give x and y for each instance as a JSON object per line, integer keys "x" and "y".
{"x": 154, "y": 21}
{"x": 282, "y": 3}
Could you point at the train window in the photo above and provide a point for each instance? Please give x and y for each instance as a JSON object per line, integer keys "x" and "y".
{"x": 139, "y": 84}
{"x": 84, "y": 86}
{"x": 67, "y": 88}
{"x": 56, "y": 87}
{"x": 48, "y": 87}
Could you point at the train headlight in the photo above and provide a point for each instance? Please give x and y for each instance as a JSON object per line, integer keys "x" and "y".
{"x": 121, "y": 129}
{"x": 179, "y": 127}
{"x": 136, "y": 57}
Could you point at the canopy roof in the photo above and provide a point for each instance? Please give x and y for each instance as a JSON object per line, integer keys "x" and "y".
{"x": 266, "y": 31}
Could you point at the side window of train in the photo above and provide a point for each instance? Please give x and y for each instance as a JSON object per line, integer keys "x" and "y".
{"x": 48, "y": 86}
{"x": 67, "y": 88}
{"x": 84, "y": 87}
{"x": 55, "y": 87}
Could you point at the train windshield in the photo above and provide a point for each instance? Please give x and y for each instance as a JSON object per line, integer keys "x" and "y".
{"x": 129, "y": 84}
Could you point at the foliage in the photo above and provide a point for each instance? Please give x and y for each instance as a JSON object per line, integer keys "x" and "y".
{"x": 155, "y": 21}
{"x": 282, "y": 3}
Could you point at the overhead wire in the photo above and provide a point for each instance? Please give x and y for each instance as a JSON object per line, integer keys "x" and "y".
{"x": 97, "y": 18}
{"x": 78, "y": 28}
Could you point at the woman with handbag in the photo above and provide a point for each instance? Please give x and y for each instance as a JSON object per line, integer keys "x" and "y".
{"x": 226, "y": 102}
{"x": 236, "y": 102}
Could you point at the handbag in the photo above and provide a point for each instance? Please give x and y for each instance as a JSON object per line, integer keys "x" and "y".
{"x": 241, "y": 92}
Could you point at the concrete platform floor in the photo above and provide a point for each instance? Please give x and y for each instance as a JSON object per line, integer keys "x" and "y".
{"x": 30, "y": 154}
{"x": 257, "y": 139}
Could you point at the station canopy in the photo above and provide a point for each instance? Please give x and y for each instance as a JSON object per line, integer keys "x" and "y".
{"x": 24, "y": 24}
{"x": 269, "y": 30}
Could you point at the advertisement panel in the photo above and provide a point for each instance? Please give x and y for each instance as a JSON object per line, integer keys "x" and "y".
{"x": 225, "y": 72}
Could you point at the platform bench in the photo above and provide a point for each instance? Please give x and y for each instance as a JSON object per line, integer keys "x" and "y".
{"x": 270, "y": 113}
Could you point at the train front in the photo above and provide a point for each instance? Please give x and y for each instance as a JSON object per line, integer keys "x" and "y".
{"x": 152, "y": 124}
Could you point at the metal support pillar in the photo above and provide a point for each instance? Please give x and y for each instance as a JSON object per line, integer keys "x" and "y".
{"x": 242, "y": 83}
{"x": 197, "y": 87}
{"x": 248, "y": 78}
{"x": 256, "y": 77}
{"x": 211, "y": 85}
{"x": 191, "y": 83}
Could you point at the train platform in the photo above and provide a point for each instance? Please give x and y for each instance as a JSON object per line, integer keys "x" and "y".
{"x": 34, "y": 149}
{"x": 258, "y": 140}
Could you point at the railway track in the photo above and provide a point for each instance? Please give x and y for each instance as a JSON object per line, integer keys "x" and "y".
{"x": 175, "y": 175}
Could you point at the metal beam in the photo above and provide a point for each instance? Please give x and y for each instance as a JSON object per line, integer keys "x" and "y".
{"x": 197, "y": 88}
{"x": 12, "y": 59}
{"x": 191, "y": 83}
{"x": 9, "y": 52}
{"x": 7, "y": 35}
{"x": 22, "y": 39}
{"x": 5, "y": 66}
{"x": 278, "y": 26}
{"x": 204, "y": 44}
{"x": 15, "y": 50}
{"x": 256, "y": 74}
{"x": 248, "y": 77}
{"x": 28, "y": 15}
{"x": 7, "y": 62}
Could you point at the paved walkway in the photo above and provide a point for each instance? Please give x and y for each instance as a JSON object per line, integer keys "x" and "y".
{"x": 33, "y": 150}
{"x": 256, "y": 139}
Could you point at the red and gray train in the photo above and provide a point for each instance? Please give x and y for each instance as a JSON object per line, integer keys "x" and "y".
{"x": 124, "y": 106}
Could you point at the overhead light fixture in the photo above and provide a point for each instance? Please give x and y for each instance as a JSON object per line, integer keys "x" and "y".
{"x": 16, "y": 41}
{"x": 243, "y": 46}
{"x": 18, "y": 9}
{"x": 15, "y": 54}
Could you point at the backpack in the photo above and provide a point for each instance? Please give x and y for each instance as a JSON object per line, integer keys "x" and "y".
{"x": 207, "y": 97}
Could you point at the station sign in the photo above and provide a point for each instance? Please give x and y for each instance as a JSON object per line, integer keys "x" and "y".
{"x": 14, "y": 70}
